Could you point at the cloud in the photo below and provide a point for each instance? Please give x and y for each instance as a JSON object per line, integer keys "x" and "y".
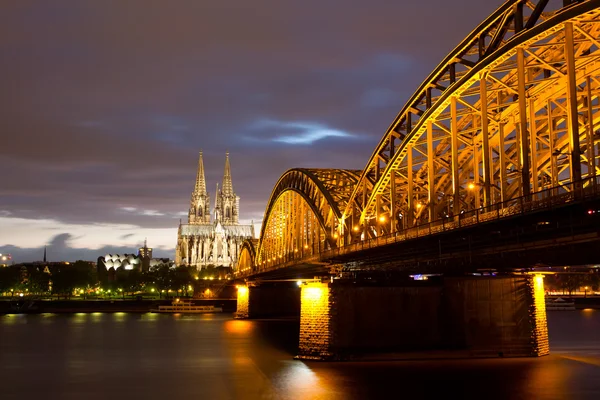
{"x": 152, "y": 213}
{"x": 295, "y": 133}
{"x": 106, "y": 117}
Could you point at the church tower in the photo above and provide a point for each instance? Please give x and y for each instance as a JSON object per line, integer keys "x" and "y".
{"x": 227, "y": 203}
{"x": 199, "y": 212}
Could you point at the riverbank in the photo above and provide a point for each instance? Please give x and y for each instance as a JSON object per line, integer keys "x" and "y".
{"x": 25, "y": 306}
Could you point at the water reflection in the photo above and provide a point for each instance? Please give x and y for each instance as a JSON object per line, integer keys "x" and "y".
{"x": 125, "y": 356}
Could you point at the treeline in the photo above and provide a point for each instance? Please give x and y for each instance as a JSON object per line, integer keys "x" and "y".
{"x": 573, "y": 282}
{"x": 81, "y": 278}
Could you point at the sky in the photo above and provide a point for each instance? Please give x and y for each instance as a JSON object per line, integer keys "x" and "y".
{"x": 105, "y": 105}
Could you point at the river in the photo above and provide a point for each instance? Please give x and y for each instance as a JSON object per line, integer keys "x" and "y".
{"x": 152, "y": 356}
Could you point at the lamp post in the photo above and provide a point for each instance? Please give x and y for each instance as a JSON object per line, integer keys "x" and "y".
{"x": 585, "y": 289}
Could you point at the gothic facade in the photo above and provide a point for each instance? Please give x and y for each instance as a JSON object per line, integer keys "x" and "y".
{"x": 202, "y": 242}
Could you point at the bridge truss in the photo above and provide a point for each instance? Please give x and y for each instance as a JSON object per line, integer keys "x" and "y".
{"x": 511, "y": 112}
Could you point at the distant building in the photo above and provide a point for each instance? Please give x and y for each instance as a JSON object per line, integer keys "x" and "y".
{"x": 145, "y": 251}
{"x": 202, "y": 243}
{"x": 129, "y": 261}
{"x": 5, "y": 260}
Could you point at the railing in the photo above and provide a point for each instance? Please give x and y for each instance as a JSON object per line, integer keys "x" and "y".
{"x": 542, "y": 200}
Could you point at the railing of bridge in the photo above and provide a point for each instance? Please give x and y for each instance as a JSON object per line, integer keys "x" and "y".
{"x": 542, "y": 200}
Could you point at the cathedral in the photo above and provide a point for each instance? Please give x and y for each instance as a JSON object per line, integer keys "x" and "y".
{"x": 202, "y": 242}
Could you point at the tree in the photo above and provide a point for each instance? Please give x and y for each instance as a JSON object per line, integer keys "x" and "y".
{"x": 38, "y": 281}
{"x": 10, "y": 278}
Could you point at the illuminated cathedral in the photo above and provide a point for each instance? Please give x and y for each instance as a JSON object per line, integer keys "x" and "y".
{"x": 202, "y": 242}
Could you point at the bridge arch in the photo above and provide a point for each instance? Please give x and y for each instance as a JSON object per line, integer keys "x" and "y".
{"x": 511, "y": 111}
{"x": 303, "y": 216}
{"x": 245, "y": 263}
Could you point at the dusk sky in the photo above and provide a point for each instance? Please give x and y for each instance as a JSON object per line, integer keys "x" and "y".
{"x": 105, "y": 105}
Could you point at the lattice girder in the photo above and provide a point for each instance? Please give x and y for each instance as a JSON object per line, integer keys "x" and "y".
{"x": 544, "y": 77}
{"x": 303, "y": 215}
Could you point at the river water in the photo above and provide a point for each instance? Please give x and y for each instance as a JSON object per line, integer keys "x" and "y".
{"x": 152, "y": 356}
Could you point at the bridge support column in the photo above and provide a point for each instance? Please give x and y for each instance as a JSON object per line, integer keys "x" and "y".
{"x": 457, "y": 317}
{"x": 268, "y": 300}
{"x": 243, "y": 297}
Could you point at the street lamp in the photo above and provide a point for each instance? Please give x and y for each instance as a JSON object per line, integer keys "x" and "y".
{"x": 585, "y": 289}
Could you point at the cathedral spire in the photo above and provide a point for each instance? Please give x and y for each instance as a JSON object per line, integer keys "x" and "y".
{"x": 44, "y": 253}
{"x": 227, "y": 188}
{"x": 200, "y": 187}
{"x": 199, "y": 212}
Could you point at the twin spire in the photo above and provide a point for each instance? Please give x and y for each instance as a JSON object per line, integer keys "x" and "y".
{"x": 226, "y": 189}
{"x": 227, "y": 203}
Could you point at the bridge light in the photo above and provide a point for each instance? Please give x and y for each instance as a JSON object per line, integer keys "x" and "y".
{"x": 306, "y": 246}
{"x": 355, "y": 229}
{"x": 419, "y": 205}
{"x": 335, "y": 235}
{"x": 295, "y": 250}
{"x": 382, "y": 219}
{"x": 471, "y": 186}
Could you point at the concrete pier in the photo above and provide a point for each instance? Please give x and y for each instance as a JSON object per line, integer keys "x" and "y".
{"x": 467, "y": 316}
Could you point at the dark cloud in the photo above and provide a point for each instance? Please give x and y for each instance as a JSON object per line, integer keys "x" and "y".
{"x": 106, "y": 104}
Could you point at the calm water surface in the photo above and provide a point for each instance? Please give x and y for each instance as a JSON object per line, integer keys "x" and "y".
{"x": 151, "y": 356}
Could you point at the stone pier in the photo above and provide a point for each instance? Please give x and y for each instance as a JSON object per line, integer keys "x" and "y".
{"x": 476, "y": 316}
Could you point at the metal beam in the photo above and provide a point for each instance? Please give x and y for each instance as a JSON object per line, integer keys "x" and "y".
{"x": 572, "y": 117}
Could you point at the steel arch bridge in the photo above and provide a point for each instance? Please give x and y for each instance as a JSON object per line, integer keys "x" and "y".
{"x": 512, "y": 112}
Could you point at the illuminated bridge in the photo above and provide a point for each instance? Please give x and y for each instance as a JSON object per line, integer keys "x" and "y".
{"x": 505, "y": 125}
{"x": 497, "y": 152}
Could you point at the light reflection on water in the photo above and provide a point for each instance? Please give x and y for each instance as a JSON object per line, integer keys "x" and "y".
{"x": 124, "y": 356}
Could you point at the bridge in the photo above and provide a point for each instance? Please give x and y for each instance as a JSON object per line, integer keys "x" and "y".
{"x": 496, "y": 152}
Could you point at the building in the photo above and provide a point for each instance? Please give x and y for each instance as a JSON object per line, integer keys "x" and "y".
{"x": 202, "y": 243}
{"x": 142, "y": 260}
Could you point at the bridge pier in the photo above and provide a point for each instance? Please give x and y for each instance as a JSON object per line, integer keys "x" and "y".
{"x": 268, "y": 299}
{"x": 472, "y": 316}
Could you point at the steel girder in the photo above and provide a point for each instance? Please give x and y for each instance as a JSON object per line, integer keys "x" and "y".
{"x": 510, "y": 112}
{"x": 303, "y": 214}
{"x": 247, "y": 256}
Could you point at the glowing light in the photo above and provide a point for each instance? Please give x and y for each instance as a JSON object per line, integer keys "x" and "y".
{"x": 382, "y": 219}
{"x": 471, "y": 186}
{"x": 299, "y": 283}
{"x": 312, "y": 293}
{"x": 355, "y": 229}
{"x": 152, "y": 290}
{"x": 335, "y": 235}
{"x": 419, "y": 205}
{"x": 306, "y": 246}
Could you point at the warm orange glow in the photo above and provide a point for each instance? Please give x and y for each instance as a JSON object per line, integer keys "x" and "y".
{"x": 306, "y": 246}
{"x": 382, "y": 219}
{"x": 314, "y": 319}
{"x": 335, "y": 235}
{"x": 541, "y": 325}
{"x": 471, "y": 186}
{"x": 419, "y": 205}
{"x": 242, "y": 301}
{"x": 355, "y": 229}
